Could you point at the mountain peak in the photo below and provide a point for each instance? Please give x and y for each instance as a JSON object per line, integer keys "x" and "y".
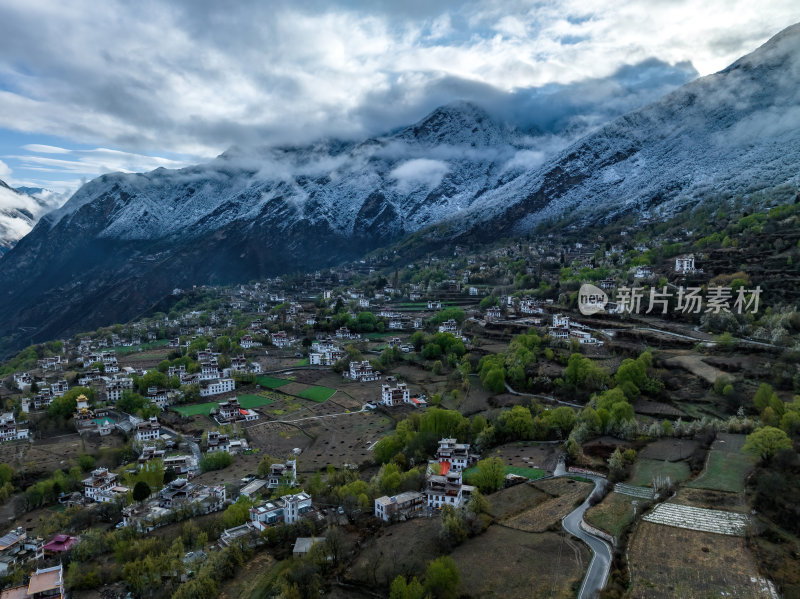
{"x": 781, "y": 48}
{"x": 4, "y": 185}
{"x": 456, "y": 123}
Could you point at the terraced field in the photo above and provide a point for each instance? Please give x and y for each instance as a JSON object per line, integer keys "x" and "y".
{"x": 317, "y": 393}
{"x": 271, "y": 382}
{"x": 695, "y": 518}
{"x": 727, "y": 466}
{"x": 565, "y": 494}
{"x": 613, "y": 514}
{"x": 669, "y": 562}
{"x": 644, "y": 471}
{"x": 632, "y": 491}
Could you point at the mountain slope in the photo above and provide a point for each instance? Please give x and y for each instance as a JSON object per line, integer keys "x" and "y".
{"x": 730, "y": 133}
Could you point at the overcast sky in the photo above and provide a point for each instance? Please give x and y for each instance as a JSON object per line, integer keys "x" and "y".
{"x": 88, "y": 87}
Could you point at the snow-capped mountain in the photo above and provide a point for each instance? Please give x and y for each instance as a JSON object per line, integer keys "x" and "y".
{"x": 19, "y": 212}
{"x": 373, "y": 190}
{"x": 731, "y": 133}
{"x": 125, "y": 240}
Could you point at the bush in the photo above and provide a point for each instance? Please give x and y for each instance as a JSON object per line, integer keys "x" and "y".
{"x": 490, "y": 475}
{"x": 442, "y": 578}
{"x": 86, "y": 462}
{"x": 215, "y": 461}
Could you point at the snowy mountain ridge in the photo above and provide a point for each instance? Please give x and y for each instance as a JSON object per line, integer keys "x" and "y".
{"x": 420, "y": 175}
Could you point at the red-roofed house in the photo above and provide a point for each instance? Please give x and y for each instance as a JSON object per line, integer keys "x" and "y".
{"x": 60, "y": 544}
{"x": 232, "y": 411}
{"x": 455, "y": 454}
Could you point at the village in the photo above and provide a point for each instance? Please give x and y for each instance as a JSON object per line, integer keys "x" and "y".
{"x": 443, "y": 398}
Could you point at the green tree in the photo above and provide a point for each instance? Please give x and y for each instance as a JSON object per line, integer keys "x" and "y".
{"x": 453, "y": 531}
{"x": 141, "y": 491}
{"x": 477, "y": 424}
{"x": 215, "y": 461}
{"x": 763, "y": 396}
{"x": 431, "y": 351}
{"x": 616, "y": 462}
{"x": 386, "y": 448}
{"x": 562, "y": 419}
{"x": 478, "y": 504}
{"x": 517, "y": 422}
{"x": 766, "y": 441}
{"x": 265, "y": 464}
{"x": 400, "y": 589}
{"x": 487, "y": 302}
{"x": 64, "y": 406}
{"x": 582, "y": 373}
{"x": 86, "y": 462}
{"x": 490, "y": 475}
{"x": 237, "y": 513}
{"x": 494, "y": 380}
{"x": 169, "y": 475}
{"x": 442, "y": 578}
{"x": 7, "y": 473}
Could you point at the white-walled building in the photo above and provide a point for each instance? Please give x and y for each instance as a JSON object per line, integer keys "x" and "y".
{"x": 288, "y": 509}
{"x": 447, "y": 489}
{"x": 99, "y": 484}
{"x": 395, "y": 396}
{"x": 404, "y": 505}
{"x": 116, "y": 387}
{"x": 685, "y": 264}
{"x": 295, "y": 506}
{"x": 217, "y": 387}
{"x": 149, "y": 430}
{"x": 449, "y": 326}
{"x": 455, "y": 455}
{"x": 232, "y": 411}
{"x": 9, "y": 430}
{"x": 281, "y": 471}
{"x": 361, "y": 371}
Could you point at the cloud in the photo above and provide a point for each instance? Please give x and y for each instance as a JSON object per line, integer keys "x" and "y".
{"x": 44, "y": 149}
{"x": 95, "y": 161}
{"x": 420, "y": 172}
{"x": 5, "y": 171}
{"x": 525, "y": 160}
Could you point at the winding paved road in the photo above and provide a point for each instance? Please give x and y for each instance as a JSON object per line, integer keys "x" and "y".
{"x": 597, "y": 574}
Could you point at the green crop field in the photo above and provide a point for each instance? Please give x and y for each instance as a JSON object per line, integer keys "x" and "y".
{"x": 725, "y": 471}
{"x": 644, "y": 470}
{"x": 613, "y": 514}
{"x": 531, "y": 473}
{"x": 254, "y": 401}
{"x": 271, "y": 382}
{"x": 317, "y": 393}
{"x": 303, "y": 362}
{"x": 247, "y": 401}
{"x": 122, "y": 350}
{"x": 196, "y": 409}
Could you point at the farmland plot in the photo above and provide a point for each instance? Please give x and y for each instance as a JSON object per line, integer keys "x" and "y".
{"x": 695, "y": 518}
